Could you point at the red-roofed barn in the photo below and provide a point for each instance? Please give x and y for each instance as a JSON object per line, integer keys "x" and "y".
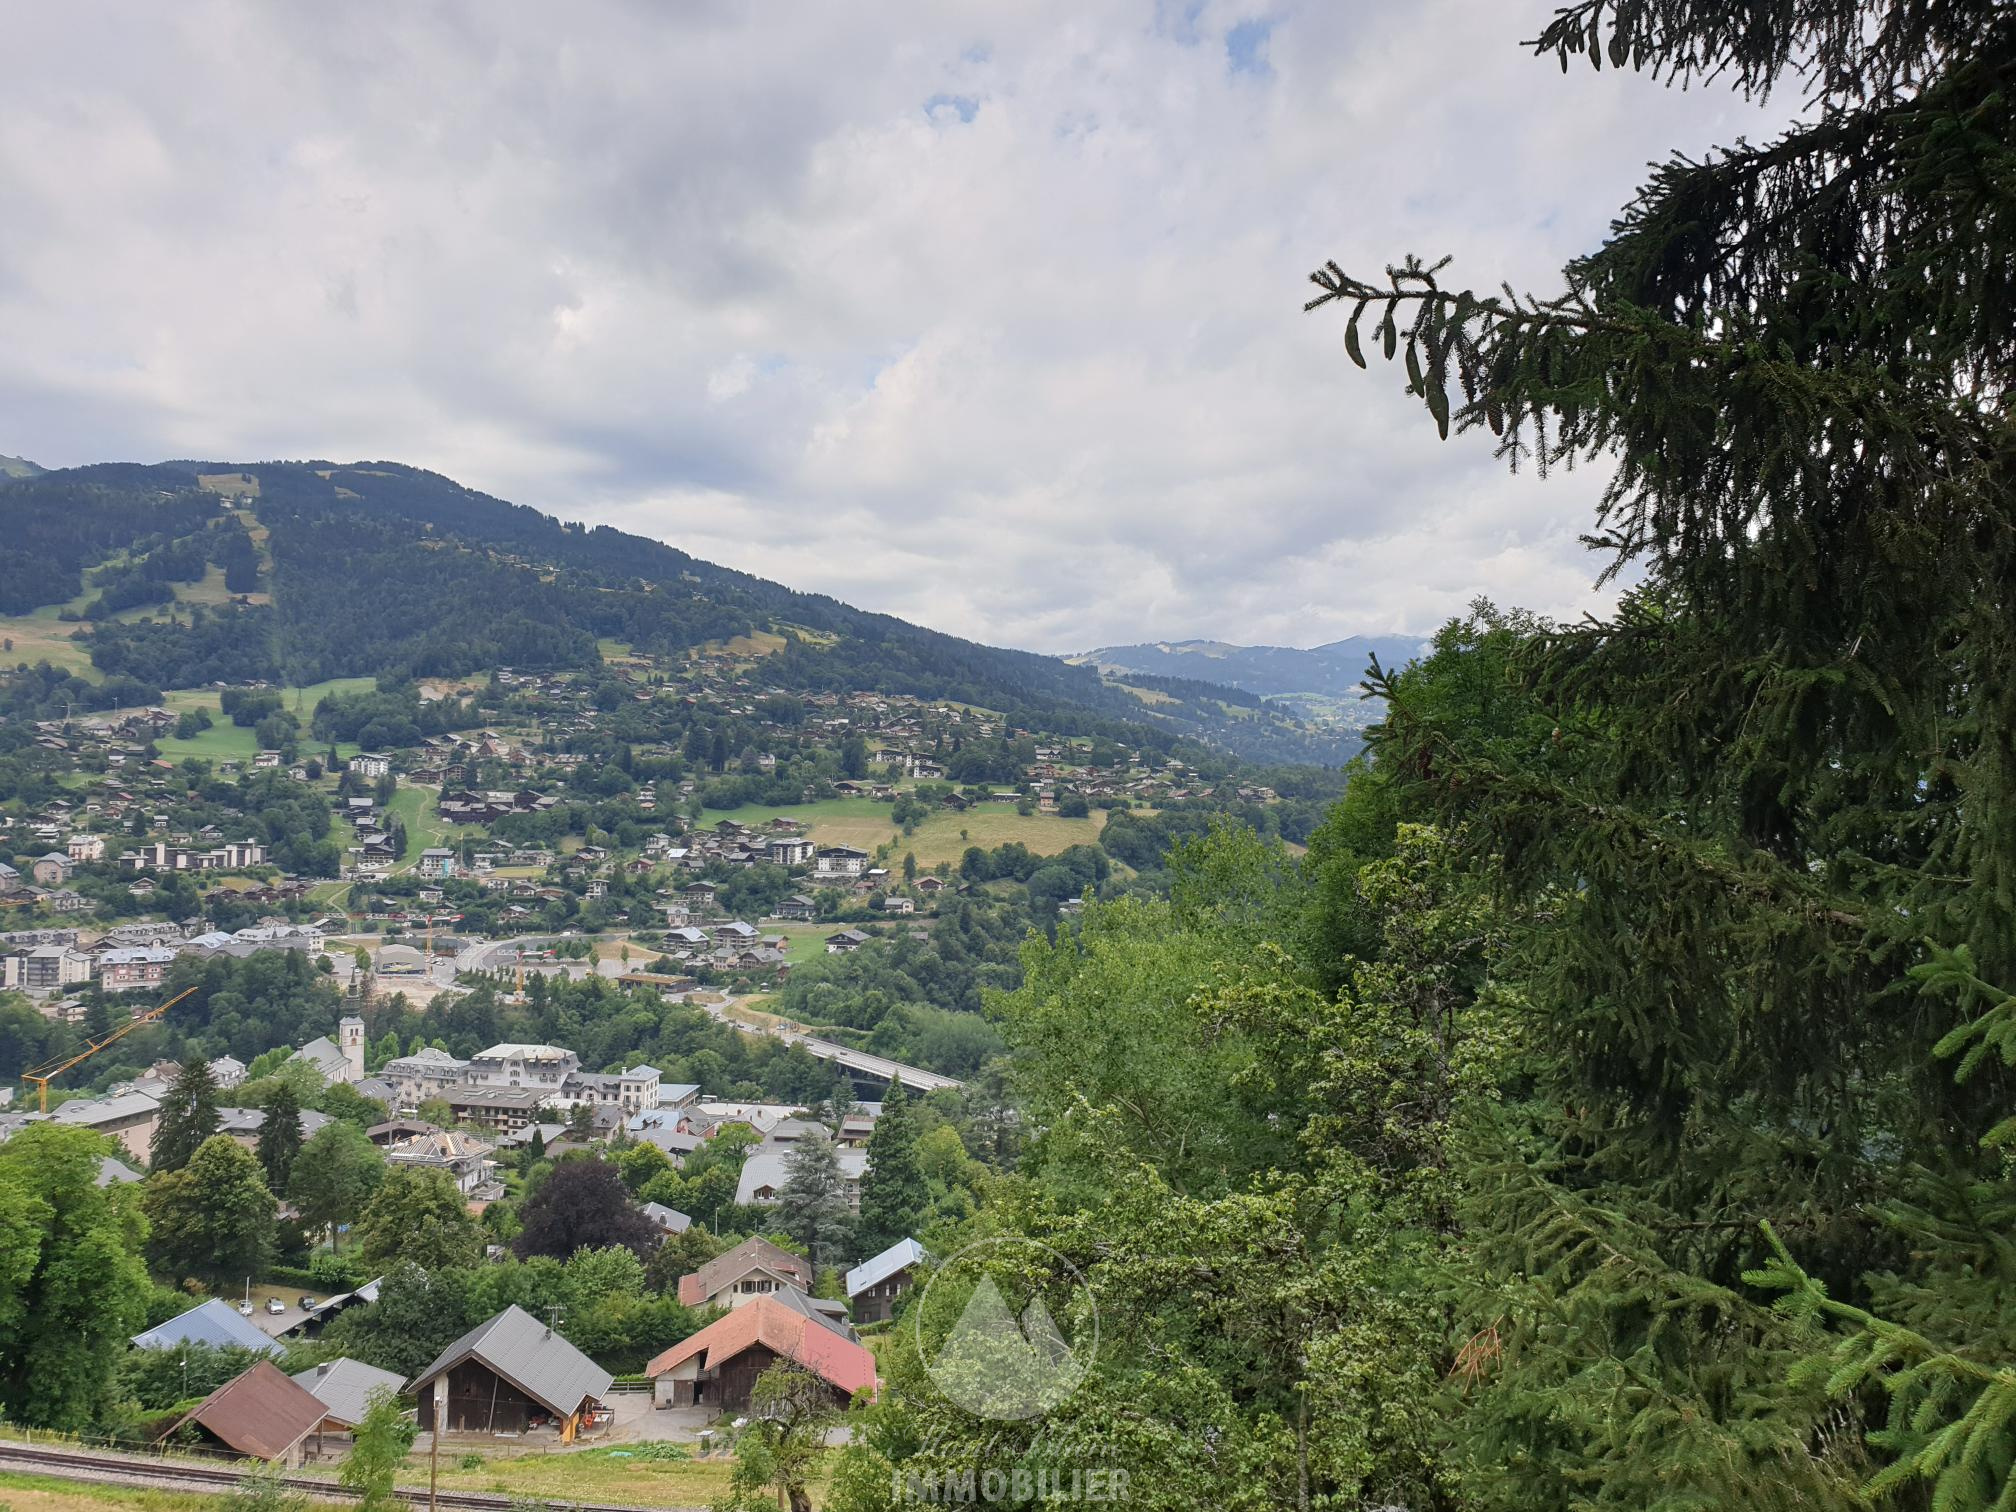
{"x": 718, "y": 1366}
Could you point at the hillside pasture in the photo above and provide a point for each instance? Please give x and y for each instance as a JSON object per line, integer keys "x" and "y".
{"x": 224, "y": 741}
{"x": 944, "y": 836}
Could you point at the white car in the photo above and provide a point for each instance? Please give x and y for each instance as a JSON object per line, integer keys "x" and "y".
{"x": 244, "y": 1309}
{"x": 275, "y": 1305}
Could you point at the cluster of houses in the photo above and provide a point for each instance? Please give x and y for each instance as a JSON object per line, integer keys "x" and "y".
{"x": 517, "y": 1377}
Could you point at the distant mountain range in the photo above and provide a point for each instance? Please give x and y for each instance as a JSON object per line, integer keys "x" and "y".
{"x": 1331, "y": 672}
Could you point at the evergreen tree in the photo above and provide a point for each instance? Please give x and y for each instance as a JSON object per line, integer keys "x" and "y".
{"x": 188, "y": 1115}
{"x": 894, "y": 1194}
{"x": 280, "y": 1136}
{"x": 1754, "y": 828}
{"x": 812, "y": 1205}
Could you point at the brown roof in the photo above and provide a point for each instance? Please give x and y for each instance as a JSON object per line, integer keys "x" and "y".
{"x": 698, "y": 1286}
{"x": 261, "y": 1414}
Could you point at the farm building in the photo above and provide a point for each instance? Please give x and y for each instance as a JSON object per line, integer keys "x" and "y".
{"x": 511, "y": 1374}
{"x": 345, "y": 1388}
{"x": 215, "y": 1324}
{"x": 261, "y": 1415}
{"x": 718, "y": 1366}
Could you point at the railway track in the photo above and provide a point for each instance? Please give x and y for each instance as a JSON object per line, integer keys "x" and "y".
{"x": 153, "y": 1473}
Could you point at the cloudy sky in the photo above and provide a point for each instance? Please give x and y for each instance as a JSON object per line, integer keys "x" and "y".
{"x": 984, "y": 315}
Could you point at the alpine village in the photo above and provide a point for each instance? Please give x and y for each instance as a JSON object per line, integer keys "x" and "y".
{"x": 498, "y": 1012}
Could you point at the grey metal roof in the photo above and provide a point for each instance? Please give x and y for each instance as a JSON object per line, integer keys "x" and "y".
{"x": 667, "y": 1218}
{"x": 899, "y": 1256}
{"x": 523, "y": 1350}
{"x": 216, "y": 1323}
{"x": 345, "y": 1387}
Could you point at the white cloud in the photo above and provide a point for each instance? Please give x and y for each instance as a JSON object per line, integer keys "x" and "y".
{"x": 985, "y": 315}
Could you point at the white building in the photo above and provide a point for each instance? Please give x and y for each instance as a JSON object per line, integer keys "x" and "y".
{"x": 540, "y": 1067}
{"x": 429, "y": 1073}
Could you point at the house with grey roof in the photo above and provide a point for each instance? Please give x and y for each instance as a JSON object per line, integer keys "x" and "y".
{"x": 671, "y": 1220}
{"x": 345, "y": 1387}
{"x": 216, "y": 1323}
{"x": 510, "y": 1374}
{"x": 874, "y": 1285}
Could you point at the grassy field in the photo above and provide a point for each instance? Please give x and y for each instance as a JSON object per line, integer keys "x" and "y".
{"x": 40, "y": 1493}
{"x": 41, "y": 637}
{"x": 224, "y": 741}
{"x": 943, "y": 837}
{"x": 424, "y": 825}
{"x": 590, "y": 1475}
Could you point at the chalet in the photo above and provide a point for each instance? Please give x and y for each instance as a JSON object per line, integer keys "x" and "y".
{"x": 844, "y": 941}
{"x": 52, "y": 870}
{"x": 718, "y": 1366}
{"x": 754, "y": 1268}
{"x": 896, "y": 903}
{"x": 260, "y": 1415}
{"x": 874, "y": 1286}
{"x": 763, "y": 1174}
{"x": 508, "y": 1375}
{"x": 797, "y": 907}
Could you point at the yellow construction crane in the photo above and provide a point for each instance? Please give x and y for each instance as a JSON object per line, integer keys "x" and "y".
{"x": 44, "y": 1074}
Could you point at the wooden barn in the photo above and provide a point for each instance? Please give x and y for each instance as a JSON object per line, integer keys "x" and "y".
{"x": 511, "y": 1375}
{"x": 718, "y": 1366}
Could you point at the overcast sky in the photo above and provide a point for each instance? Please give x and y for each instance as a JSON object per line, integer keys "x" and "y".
{"x": 984, "y": 315}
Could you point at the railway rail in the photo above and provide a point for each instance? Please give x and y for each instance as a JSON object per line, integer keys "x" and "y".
{"x": 65, "y": 1462}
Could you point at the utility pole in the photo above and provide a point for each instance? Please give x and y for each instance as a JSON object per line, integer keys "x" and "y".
{"x": 434, "y": 1442}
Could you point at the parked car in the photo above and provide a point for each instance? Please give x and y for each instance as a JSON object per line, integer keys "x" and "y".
{"x": 275, "y": 1305}
{"x": 308, "y": 1303}
{"x": 245, "y": 1309}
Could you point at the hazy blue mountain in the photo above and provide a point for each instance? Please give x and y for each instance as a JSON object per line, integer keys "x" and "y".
{"x": 1324, "y": 672}
{"x": 18, "y": 467}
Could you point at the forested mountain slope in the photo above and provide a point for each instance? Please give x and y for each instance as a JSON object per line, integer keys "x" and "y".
{"x": 340, "y": 570}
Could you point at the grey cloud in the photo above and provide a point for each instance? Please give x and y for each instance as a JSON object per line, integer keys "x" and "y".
{"x": 985, "y": 315}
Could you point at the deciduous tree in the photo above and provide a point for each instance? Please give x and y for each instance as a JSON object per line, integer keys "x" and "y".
{"x": 72, "y": 1286}
{"x": 213, "y": 1220}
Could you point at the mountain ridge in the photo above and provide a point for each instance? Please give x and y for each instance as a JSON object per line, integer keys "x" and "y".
{"x": 1334, "y": 670}
{"x": 365, "y": 568}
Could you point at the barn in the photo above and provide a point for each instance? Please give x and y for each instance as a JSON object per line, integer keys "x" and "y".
{"x": 510, "y": 1375}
